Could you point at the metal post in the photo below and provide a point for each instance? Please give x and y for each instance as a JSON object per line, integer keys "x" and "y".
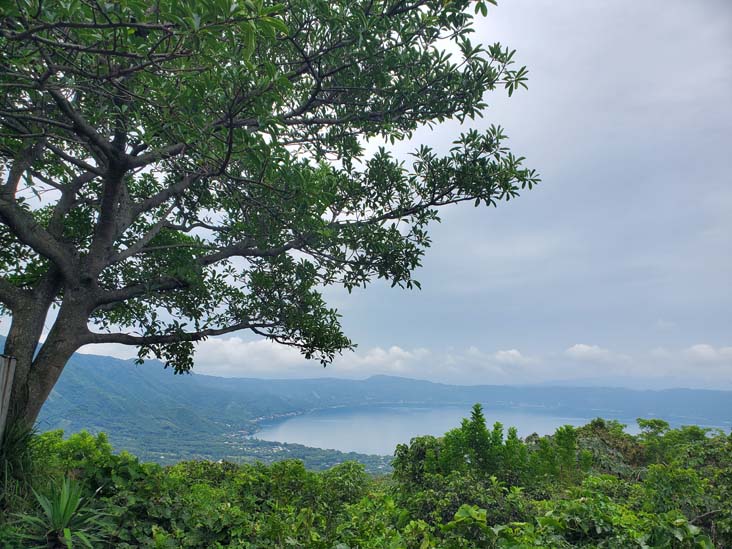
{"x": 7, "y": 372}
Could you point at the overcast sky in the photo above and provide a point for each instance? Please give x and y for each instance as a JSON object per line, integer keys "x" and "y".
{"x": 617, "y": 269}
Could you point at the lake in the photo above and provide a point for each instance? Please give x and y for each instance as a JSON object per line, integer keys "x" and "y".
{"x": 377, "y": 430}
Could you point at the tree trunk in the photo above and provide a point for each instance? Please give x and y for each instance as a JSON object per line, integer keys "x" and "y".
{"x": 25, "y": 333}
{"x": 44, "y": 373}
{"x": 7, "y": 373}
{"x": 38, "y": 369}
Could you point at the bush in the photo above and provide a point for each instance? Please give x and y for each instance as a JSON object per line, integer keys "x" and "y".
{"x": 545, "y": 493}
{"x": 66, "y": 518}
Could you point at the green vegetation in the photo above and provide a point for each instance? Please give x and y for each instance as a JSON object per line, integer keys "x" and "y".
{"x": 66, "y": 517}
{"x": 203, "y": 167}
{"x": 477, "y": 486}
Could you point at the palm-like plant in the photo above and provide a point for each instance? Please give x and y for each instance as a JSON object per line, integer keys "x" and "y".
{"x": 66, "y": 519}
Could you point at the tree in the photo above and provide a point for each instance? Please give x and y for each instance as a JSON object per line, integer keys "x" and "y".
{"x": 183, "y": 169}
{"x": 478, "y": 440}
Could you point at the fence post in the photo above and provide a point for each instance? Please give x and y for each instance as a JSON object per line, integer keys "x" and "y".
{"x": 7, "y": 372}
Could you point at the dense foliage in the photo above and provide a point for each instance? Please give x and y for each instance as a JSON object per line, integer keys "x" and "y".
{"x": 593, "y": 486}
{"x": 188, "y": 169}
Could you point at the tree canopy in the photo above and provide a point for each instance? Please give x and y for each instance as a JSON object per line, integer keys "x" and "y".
{"x": 175, "y": 170}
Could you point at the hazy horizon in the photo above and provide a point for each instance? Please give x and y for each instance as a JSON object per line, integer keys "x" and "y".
{"x": 326, "y": 374}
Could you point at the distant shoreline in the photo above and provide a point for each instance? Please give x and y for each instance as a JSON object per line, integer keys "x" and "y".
{"x": 262, "y": 423}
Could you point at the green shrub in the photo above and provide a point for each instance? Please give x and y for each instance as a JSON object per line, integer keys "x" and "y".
{"x": 66, "y": 518}
{"x": 580, "y": 487}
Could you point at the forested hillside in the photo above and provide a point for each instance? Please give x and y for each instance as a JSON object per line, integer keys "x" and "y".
{"x": 161, "y": 417}
{"x": 477, "y": 486}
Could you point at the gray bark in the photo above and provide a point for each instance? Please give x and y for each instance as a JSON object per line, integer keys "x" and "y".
{"x": 39, "y": 367}
{"x": 7, "y": 373}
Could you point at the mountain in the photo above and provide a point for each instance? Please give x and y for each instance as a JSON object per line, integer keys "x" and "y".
{"x": 166, "y": 417}
{"x": 120, "y": 396}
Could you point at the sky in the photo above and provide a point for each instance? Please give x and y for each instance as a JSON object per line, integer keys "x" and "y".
{"x": 617, "y": 268}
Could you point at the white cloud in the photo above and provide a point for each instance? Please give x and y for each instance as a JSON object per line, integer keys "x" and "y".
{"x": 109, "y": 349}
{"x": 262, "y": 358}
{"x": 511, "y": 357}
{"x": 234, "y": 356}
{"x": 700, "y": 365}
{"x": 703, "y": 352}
{"x": 394, "y": 360}
{"x": 590, "y": 353}
{"x": 238, "y": 357}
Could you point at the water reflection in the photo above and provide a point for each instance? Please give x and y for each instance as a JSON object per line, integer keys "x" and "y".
{"x": 378, "y": 430}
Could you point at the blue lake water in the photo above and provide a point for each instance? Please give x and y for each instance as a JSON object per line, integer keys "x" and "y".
{"x": 377, "y": 430}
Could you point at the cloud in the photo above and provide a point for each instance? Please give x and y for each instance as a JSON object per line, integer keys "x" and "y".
{"x": 703, "y": 352}
{"x": 109, "y": 349}
{"x": 262, "y": 358}
{"x": 238, "y": 357}
{"x": 230, "y": 356}
{"x": 511, "y": 357}
{"x": 234, "y": 356}
{"x": 698, "y": 365}
{"x": 701, "y": 366}
{"x": 394, "y": 360}
{"x": 590, "y": 353}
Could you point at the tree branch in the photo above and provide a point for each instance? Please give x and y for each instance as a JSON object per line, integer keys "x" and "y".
{"x": 31, "y": 233}
{"x": 10, "y": 295}
{"x": 67, "y": 201}
{"x": 75, "y": 161}
{"x": 155, "y": 156}
{"x": 112, "y": 221}
{"x": 245, "y": 249}
{"x": 81, "y": 125}
{"x": 22, "y": 162}
{"x": 163, "y": 339}
{"x": 144, "y": 240}
{"x": 111, "y": 297}
{"x": 163, "y": 196}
